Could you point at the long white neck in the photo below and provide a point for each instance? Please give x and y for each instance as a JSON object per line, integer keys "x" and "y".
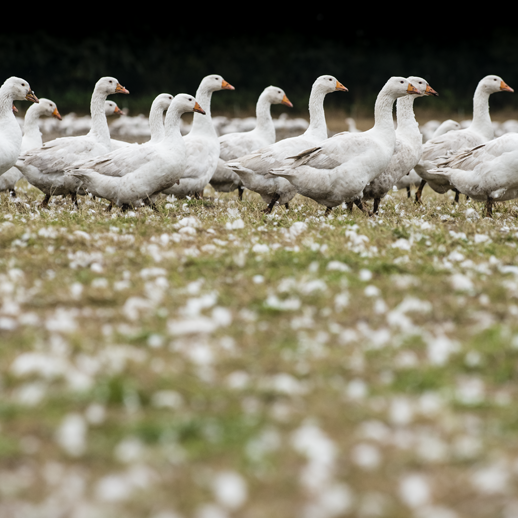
{"x": 481, "y": 119}
{"x": 203, "y": 123}
{"x": 406, "y": 123}
{"x": 6, "y": 103}
{"x": 264, "y": 124}
{"x": 172, "y": 123}
{"x": 31, "y": 131}
{"x": 156, "y": 122}
{"x": 317, "y": 117}
{"x": 99, "y": 130}
{"x": 383, "y": 112}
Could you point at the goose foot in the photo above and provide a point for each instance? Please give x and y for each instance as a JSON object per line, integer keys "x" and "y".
{"x": 419, "y": 191}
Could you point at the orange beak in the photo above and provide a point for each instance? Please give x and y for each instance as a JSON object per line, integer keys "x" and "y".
{"x": 118, "y": 111}
{"x": 56, "y": 114}
{"x": 226, "y": 86}
{"x": 31, "y": 96}
{"x": 199, "y": 109}
{"x": 120, "y": 89}
{"x": 412, "y": 90}
{"x": 286, "y": 101}
{"x": 431, "y": 91}
{"x": 341, "y": 87}
{"x": 15, "y": 109}
{"x": 505, "y": 88}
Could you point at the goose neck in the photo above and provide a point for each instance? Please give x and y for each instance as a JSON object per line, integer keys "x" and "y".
{"x": 481, "y": 118}
{"x": 99, "y": 130}
{"x": 156, "y": 123}
{"x": 172, "y": 123}
{"x": 264, "y": 117}
{"x": 383, "y": 112}
{"x": 317, "y": 116}
{"x": 405, "y": 113}
{"x": 31, "y": 123}
{"x": 203, "y": 123}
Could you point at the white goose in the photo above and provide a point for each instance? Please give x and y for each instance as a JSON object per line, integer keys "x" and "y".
{"x": 128, "y": 175}
{"x": 236, "y": 145}
{"x": 44, "y": 167}
{"x": 408, "y": 149}
{"x": 253, "y": 169}
{"x": 480, "y": 131}
{"x": 31, "y": 138}
{"x": 13, "y": 89}
{"x": 487, "y": 173}
{"x": 201, "y": 143}
{"x": 339, "y": 169}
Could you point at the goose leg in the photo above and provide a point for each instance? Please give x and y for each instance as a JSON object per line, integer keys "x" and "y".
{"x": 457, "y": 196}
{"x": 287, "y": 205}
{"x": 489, "y": 207}
{"x": 240, "y": 191}
{"x": 359, "y": 204}
{"x": 328, "y": 210}
{"x": 74, "y": 199}
{"x": 376, "y": 205}
{"x": 419, "y": 191}
{"x": 269, "y": 209}
{"x": 45, "y": 203}
{"x": 408, "y": 194}
{"x": 109, "y": 207}
{"x": 349, "y": 206}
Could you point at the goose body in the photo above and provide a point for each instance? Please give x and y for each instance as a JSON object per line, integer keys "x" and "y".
{"x": 138, "y": 172}
{"x": 31, "y": 138}
{"x": 202, "y": 144}
{"x": 339, "y": 169}
{"x": 408, "y": 148}
{"x": 253, "y": 169}
{"x": 479, "y": 132}
{"x": 235, "y": 145}
{"x": 13, "y": 89}
{"x": 44, "y": 167}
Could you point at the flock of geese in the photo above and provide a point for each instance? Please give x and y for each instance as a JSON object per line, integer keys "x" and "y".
{"x": 347, "y": 168}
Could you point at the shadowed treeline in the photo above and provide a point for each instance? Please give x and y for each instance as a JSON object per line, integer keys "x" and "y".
{"x": 65, "y": 66}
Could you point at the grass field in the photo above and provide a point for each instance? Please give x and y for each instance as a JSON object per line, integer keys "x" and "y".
{"x": 209, "y": 361}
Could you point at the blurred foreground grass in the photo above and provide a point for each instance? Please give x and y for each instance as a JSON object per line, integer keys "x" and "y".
{"x": 211, "y": 361}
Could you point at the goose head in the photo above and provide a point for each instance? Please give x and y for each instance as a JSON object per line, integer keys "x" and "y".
{"x": 46, "y": 108}
{"x": 277, "y": 96}
{"x": 19, "y": 89}
{"x": 162, "y": 101}
{"x": 422, "y": 85}
{"x": 213, "y": 83}
{"x": 329, "y": 84}
{"x": 109, "y": 85}
{"x": 399, "y": 87}
{"x": 111, "y": 108}
{"x": 185, "y": 103}
{"x": 492, "y": 84}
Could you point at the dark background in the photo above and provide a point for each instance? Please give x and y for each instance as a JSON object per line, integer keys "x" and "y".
{"x": 170, "y": 51}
